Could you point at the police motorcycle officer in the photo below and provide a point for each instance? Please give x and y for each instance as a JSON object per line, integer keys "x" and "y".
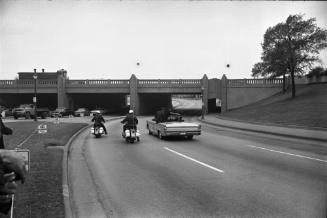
{"x": 130, "y": 132}
{"x": 98, "y": 126}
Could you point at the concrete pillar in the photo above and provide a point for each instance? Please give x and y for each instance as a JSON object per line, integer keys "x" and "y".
{"x": 134, "y": 99}
{"x": 62, "y": 100}
{"x": 223, "y": 93}
{"x": 205, "y": 91}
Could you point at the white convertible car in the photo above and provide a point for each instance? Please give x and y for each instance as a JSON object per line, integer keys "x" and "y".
{"x": 174, "y": 126}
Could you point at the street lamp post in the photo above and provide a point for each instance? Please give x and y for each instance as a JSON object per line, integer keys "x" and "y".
{"x": 202, "y": 111}
{"x": 34, "y": 99}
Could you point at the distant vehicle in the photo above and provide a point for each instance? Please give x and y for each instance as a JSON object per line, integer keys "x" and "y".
{"x": 7, "y": 111}
{"x": 81, "y": 112}
{"x": 62, "y": 112}
{"x": 174, "y": 126}
{"x": 98, "y": 110}
{"x": 28, "y": 111}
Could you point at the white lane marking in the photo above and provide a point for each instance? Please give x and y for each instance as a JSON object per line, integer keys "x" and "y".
{"x": 199, "y": 162}
{"x": 65, "y": 190}
{"x": 26, "y": 139}
{"x": 290, "y": 154}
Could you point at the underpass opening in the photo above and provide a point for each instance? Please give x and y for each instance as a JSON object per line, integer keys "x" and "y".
{"x": 112, "y": 103}
{"x": 187, "y": 104}
{"x": 152, "y": 102}
{"x": 45, "y": 100}
{"x": 214, "y": 105}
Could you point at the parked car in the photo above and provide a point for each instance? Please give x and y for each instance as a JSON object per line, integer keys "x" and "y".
{"x": 81, "y": 112}
{"x": 28, "y": 111}
{"x": 7, "y": 111}
{"x": 98, "y": 110}
{"x": 174, "y": 126}
{"x": 62, "y": 112}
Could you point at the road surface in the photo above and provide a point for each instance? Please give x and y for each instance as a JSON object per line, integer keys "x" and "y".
{"x": 218, "y": 174}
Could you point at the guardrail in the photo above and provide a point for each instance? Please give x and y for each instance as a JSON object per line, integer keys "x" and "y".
{"x": 254, "y": 82}
{"x": 97, "y": 83}
{"x": 169, "y": 83}
{"x": 27, "y": 83}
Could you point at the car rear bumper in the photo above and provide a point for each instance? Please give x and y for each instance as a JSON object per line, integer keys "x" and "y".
{"x": 181, "y": 133}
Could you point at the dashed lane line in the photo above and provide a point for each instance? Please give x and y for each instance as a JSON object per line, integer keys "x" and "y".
{"x": 290, "y": 154}
{"x": 194, "y": 160}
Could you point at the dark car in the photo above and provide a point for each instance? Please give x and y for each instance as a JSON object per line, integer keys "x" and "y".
{"x": 62, "y": 112}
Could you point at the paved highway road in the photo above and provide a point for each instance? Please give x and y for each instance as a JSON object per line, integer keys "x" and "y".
{"x": 218, "y": 174}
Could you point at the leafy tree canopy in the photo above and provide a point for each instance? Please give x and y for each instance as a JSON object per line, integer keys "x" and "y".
{"x": 290, "y": 47}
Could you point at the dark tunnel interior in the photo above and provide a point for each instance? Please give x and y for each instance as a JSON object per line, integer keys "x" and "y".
{"x": 152, "y": 102}
{"x": 113, "y": 103}
{"x": 43, "y": 100}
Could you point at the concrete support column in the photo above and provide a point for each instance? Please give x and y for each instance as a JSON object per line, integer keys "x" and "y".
{"x": 62, "y": 100}
{"x": 134, "y": 99}
{"x": 223, "y": 92}
{"x": 205, "y": 91}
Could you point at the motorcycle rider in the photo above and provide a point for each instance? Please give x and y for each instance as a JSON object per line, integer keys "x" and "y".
{"x": 130, "y": 121}
{"x": 98, "y": 121}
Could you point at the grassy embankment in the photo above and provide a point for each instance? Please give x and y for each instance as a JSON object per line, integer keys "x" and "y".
{"x": 41, "y": 195}
{"x": 307, "y": 109}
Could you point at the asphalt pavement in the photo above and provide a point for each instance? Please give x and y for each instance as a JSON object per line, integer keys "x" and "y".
{"x": 86, "y": 182}
{"x": 219, "y": 174}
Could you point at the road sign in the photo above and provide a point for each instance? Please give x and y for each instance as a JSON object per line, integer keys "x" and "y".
{"x": 56, "y": 121}
{"x": 25, "y": 153}
{"x": 42, "y": 129}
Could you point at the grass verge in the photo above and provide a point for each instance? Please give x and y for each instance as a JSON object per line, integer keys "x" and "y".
{"x": 41, "y": 195}
{"x": 307, "y": 109}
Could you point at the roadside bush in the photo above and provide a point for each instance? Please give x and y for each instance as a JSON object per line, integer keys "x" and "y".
{"x": 317, "y": 72}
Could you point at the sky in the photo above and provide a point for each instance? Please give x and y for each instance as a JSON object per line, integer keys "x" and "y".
{"x": 98, "y": 39}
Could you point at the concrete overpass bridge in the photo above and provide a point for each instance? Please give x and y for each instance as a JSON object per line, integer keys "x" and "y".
{"x": 146, "y": 96}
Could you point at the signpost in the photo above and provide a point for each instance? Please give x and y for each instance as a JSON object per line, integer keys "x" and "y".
{"x": 25, "y": 153}
{"x": 56, "y": 121}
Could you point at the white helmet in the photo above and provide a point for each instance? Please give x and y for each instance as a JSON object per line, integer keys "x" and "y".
{"x": 130, "y": 111}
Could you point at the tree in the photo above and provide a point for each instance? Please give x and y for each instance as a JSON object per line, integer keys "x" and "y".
{"x": 317, "y": 72}
{"x": 291, "y": 47}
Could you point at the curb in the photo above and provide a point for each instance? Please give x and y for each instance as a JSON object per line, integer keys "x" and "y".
{"x": 65, "y": 182}
{"x": 69, "y": 213}
{"x": 273, "y": 124}
{"x": 262, "y": 131}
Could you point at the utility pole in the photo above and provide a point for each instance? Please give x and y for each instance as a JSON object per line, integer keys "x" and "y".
{"x": 202, "y": 111}
{"x": 34, "y": 99}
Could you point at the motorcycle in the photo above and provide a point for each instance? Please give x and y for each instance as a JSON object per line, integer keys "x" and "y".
{"x": 98, "y": 131}
{"x": 131, "y": 135}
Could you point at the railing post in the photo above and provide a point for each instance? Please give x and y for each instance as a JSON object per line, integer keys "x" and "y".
{"x": 134, "y": 98}
{"x": 204, "y": 92}
{"x": 62, "y": 100}
{"x": 223, "y": 92}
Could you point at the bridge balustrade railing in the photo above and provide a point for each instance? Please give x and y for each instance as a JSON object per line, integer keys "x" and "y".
{"x": 98, "y": 83}
{"x": 7, "y": 83}
{"x": 254, "y": 82}
{"x": 27, "y": 83}
{"x": 169, "y": 83}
